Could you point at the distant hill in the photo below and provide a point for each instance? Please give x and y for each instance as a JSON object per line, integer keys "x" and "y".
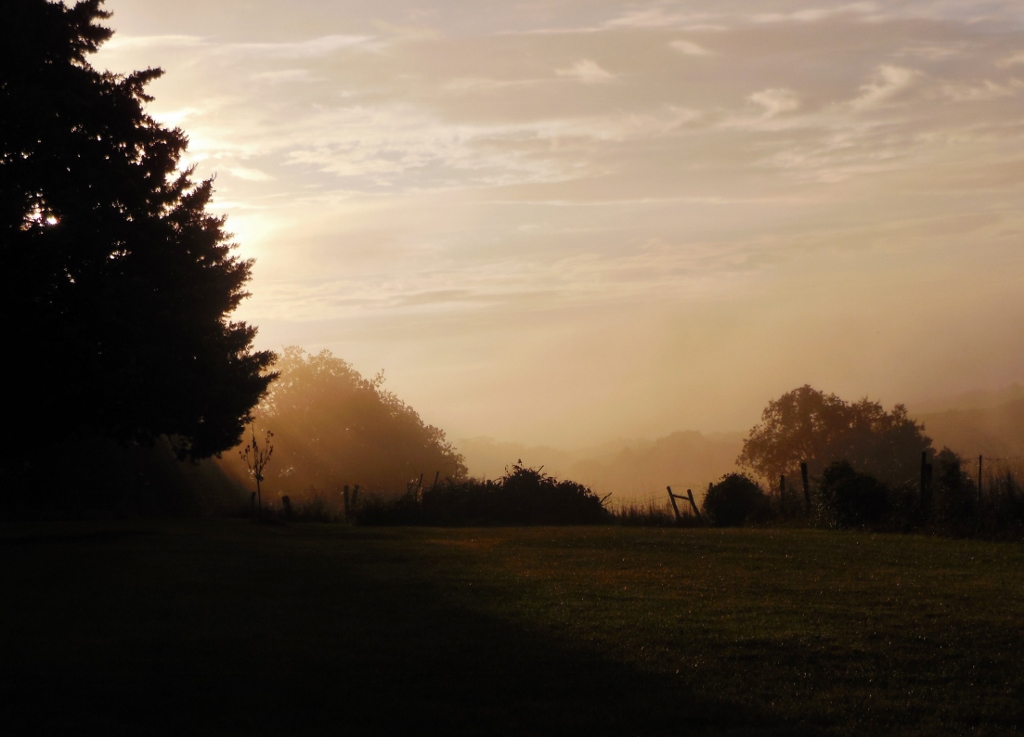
{"x": 972, "y": 400}
{"x": 487, "y": 458}
{"x": 683, "y": 460}
{"x": 994, "y": 431}
{"x": 627, "y": 469}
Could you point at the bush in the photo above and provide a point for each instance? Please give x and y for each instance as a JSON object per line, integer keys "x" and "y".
{"x": 523, "y": 496}
{"x": 734, "y": 501}
{"x": 852, "y": 499}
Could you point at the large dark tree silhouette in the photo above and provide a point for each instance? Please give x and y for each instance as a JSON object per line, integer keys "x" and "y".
{"x": 806, "y": 425}
{"x": 117, "y": 285}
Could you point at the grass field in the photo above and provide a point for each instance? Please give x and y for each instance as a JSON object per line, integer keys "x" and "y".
{"x": 226, "y": 627}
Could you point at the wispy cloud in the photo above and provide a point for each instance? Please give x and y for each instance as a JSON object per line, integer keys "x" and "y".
{"x": 121, "y": 42}
{"x": 251, "y": 175}
{"x": 505, "y": 174}
{"x": 817, "y": 14}
{"x": 587, "y": 71}
{"x": 776, "y": 101}
{"x": 889, "y": 83}
{"x": 311, "y": 48}
{"x": 1016, "y": 59}
{"x": 689, "y": 48}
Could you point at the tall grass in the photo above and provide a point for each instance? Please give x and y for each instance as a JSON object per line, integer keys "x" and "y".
{"x": 1000, "y": 508}
{"x": 650, "y": 513}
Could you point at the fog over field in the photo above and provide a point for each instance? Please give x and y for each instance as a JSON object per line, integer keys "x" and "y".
{"x": 564, "y": 223}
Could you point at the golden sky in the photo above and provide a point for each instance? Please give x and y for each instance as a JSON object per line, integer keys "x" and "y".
{"x": 566, "y": 221}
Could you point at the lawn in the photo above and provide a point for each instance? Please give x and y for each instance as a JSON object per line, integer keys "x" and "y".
{"x": 221, "y": 626}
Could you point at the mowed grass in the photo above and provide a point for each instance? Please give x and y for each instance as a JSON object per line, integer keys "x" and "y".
{"x": 226, "y": 627}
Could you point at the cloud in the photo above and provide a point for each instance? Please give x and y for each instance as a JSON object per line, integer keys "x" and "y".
{"x": 316, "y": 47}
{"x": 308, "y": 49}
{"x": 177, "y": 118}
{"x": 985, "y": 90}
{"x": 665, "y": 16}
{"x": 776, "y": 101}
{"x": 122, "y": 42}
{"x": 659, "y": 17}
{"x": 689, "y": 48}
{"x": 889, "y": 83}
{"x": 933, "y": 52}
{"x": 587, "y": 71}
{"x": 286, "y": 76}
{"x": 251, "y": 175}
{"x": 1012, "y": 60}
{"x": 477, "y": 85}
{"x": 814, "y": 15}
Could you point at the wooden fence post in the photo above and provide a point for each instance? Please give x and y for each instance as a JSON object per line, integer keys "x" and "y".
{"x": 675, "y": 507}
{"x": 689, "y": 493}
{"x": 782, "y": 494}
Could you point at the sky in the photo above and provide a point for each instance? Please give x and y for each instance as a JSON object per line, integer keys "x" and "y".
{"x": 569, "y": 221}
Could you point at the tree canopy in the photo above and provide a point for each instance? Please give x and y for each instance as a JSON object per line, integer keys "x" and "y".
{"x": 117, "y": 285}
{"x": 806, "y": 425}
{"x": 333, "y": 427}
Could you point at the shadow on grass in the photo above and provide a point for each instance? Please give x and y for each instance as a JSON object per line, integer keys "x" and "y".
{"x": 234, "y": 629}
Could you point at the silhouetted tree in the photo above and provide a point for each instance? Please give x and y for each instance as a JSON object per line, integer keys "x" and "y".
{"x": 334, "y": 427}
{"x": 116, "y": 283}
{"x": 808, "y": 425}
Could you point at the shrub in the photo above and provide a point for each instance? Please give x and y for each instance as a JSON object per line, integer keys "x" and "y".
{"x": 852, "y": 499}
{"x": 523, "y": 496}
{"x": 734, "y": 501}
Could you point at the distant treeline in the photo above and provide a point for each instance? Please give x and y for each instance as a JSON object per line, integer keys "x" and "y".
{"x": 345, "y": 449}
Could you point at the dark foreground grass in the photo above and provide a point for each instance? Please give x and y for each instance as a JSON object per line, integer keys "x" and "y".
{"x": 225, "y": 627}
